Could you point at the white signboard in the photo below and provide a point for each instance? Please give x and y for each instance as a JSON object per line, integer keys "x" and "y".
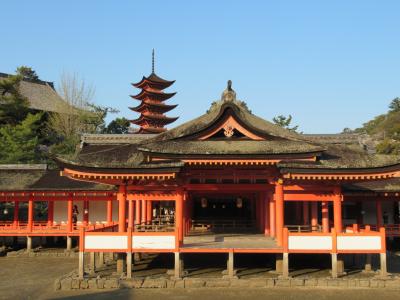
{"x": 304, "y": 242}
{"x": 359, "y": 243}
{"x": 107, "y": 242}
{"x": 153, "y": 242}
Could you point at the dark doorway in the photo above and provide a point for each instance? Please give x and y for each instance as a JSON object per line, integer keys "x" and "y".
{"x": 223, "y": 214}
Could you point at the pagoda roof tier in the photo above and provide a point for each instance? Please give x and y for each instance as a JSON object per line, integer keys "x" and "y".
{"x": 153, "y": 81}
{"x": 153, "y": 95}
{"x": 151, "y": 130}
{"x": 153, "y": 106}
{"x": 153, "y": 118}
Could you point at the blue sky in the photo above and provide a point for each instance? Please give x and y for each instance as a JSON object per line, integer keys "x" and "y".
{"x": 331, "y": 64}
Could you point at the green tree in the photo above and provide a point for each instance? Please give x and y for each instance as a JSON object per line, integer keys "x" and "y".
{"x": 13, "y": 106}
{"x": 285, "y": 122}
{"x": 27, "y": 73}
{"x": 394, "y": 106}
{"x": 20, "y": 143}
{"x": 118, "y": 126}
{"x": 388, "y": 146}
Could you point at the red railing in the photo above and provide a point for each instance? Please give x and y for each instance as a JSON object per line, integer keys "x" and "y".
{"x": 45, "y": 227}
{"x": 391, "y": 230}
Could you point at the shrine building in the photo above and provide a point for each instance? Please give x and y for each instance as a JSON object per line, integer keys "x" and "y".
{"x": 226, "y": 182}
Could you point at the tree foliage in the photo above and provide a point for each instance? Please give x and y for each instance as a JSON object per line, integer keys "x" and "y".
{"x": 13, "y": 106}
{"x": 394, "y": 106}
{"x": 27, "y": 73}
{"x": 20, "y": 143}
{"x": 118, "y": 126}
{"x": 386, "y": 128}
{"x": 285, "y": 122}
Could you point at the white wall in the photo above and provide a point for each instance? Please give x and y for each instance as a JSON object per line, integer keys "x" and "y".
{"x": 97, "y": 211}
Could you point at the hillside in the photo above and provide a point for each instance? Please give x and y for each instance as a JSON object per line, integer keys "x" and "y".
{"x": 384, "y": 129}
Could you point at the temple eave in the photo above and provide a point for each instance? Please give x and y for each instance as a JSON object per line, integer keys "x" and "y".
{"x": 143, "y": 95}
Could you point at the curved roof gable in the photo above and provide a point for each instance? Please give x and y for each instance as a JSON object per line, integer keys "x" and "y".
{"x": 218, "y": 114}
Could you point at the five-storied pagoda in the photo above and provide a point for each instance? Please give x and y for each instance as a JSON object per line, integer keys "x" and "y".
{"x": 152, "y": 108}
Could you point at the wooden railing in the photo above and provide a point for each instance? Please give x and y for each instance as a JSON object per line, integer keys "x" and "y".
{"x": 154, "y": 227}
{"x": 304, "y": 228}
{"x": 392, "y": 230}
{"x": 222, "y": 225}
{"x": 44, "y": 226}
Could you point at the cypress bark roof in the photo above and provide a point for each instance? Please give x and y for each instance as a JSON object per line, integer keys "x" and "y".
{"x": 29, "y": 178}
{"x": 41, "y": 95}
{"x": 184, "y": 141}
{"x": 386, "y": 185}
{"x": 230, "y": 147}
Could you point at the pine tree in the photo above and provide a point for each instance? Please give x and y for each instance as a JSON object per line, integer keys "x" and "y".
{"x": 285, "y": 122}
{"x": 13, "y": 106}
{"x": 20, "y": 143}
{"x": 27, "y": 73}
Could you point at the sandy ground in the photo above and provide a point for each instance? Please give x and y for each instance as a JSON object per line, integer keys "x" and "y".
{"x": 30, "y": 278}
{"x": 33, "y": 278}
{"x": 232, "y": 294}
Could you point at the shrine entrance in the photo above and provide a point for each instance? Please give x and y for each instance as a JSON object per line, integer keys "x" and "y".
{"x": 223, "y": 214}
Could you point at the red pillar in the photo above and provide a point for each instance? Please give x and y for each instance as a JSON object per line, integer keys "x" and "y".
{"x": 30, "y": 213}
{"x": 109, "y": 211}
{"x": 16, "y": 213}
{"x": 121, "y": 197}
{"x": 272, "y": 219}
{"x": 143, "y": 214}
{"x": 137, "y": 217}
{"x": 179, "y": 214}
{"x": 279, "y": 211}
{"x": 378, "y": 214}
{"x": 85, "y": 212}
{"x": 148, "y": 211}
{"x": 306, "y": 213}
{"x": 325, "y": 217}
{"x": 130, "y": 214}
{"x": 184, "y": 214}
{"x": 50, "y": 213}
{"x": 69, "y": 213}
{"x": 337, "y": 210}
{"x": 314, "y": 215}
{"x": 266, "y": 214}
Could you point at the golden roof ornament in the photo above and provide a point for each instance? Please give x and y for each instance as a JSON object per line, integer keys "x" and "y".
{"x": 229, "y": 94}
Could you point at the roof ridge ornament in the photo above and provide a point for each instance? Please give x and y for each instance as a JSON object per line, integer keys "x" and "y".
{"x": 229, "y": 94}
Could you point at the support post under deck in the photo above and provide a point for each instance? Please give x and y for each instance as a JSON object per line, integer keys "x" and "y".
{"x": 129, "y": 265}
{"x": 383, "y": 262}
{"x": 81, "y": 268}
{"x": 285, "y": 265}
{"x": 29, "y": 243}
{"x": 92, "y": 263}
{"x": 178, "y": 270}
{"x": 69, "y": 243}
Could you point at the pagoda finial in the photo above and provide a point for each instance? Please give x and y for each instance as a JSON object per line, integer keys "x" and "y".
{"x": 152, "y": 62}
